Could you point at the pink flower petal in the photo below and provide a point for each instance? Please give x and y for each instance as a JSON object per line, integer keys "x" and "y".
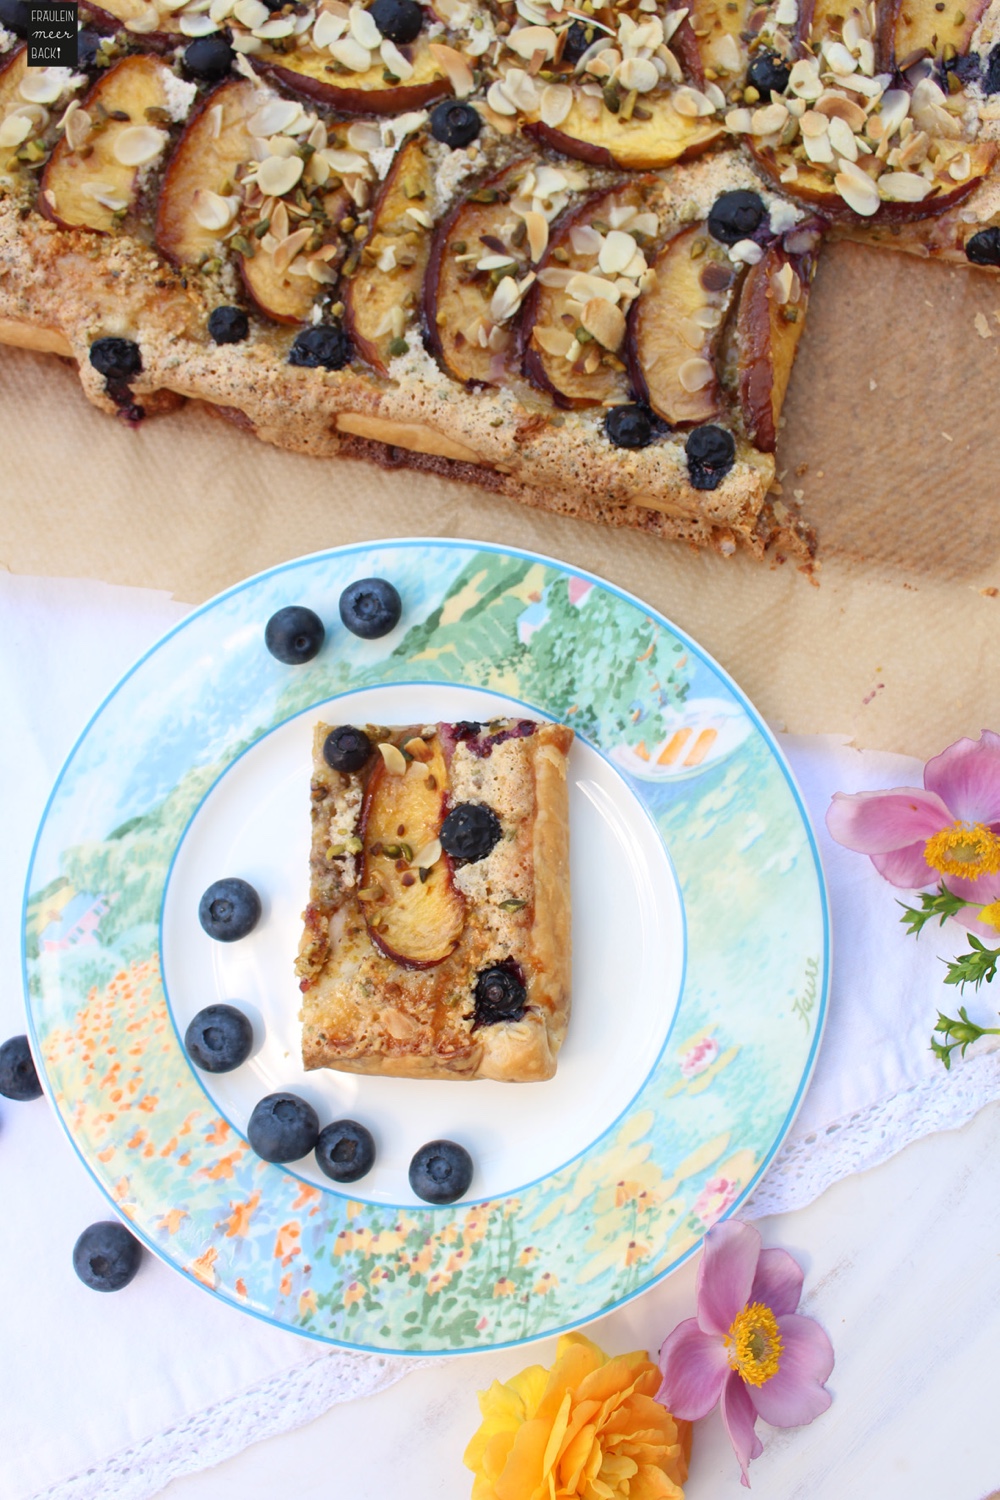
{"x": 778, "y": 1282}
{"x": 795, "y": 1395}
{"x": 876, "y": 822}
{"x": 726, "y": 1273}
{"x": 966, "y": 777}
{"x": 694, "y": 1366}
{"x": 906, "y": 867}
{"x": 739, "y": 1417}
{"x": 983, "y": 892}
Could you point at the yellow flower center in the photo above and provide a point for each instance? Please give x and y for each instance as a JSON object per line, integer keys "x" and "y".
{"x": 754, "y": 1344}
{"x": 966, "y": 849}
{"x": 991, "y": 915}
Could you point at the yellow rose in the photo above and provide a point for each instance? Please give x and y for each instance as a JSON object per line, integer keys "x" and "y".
{"x": 588, "y": 1429}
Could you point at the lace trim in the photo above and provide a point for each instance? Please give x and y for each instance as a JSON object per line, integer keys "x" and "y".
{"x": 805, "y": 1167}
{"x": 807, "y": 1164}
{"x": 283, "y": 1401}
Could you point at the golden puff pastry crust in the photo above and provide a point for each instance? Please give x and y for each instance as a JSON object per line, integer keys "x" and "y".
{"x": 415, "y": 962}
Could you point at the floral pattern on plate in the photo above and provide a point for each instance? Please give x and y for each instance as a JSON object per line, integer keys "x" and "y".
{"x": 635, "y": 1201}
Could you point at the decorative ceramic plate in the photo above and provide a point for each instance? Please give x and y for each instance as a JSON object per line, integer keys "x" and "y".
{"x": 700, "y": 956}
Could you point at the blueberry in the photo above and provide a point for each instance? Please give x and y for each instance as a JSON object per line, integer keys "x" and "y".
{"x": 440, "y": 1172}
{"x": 579, "y": 37}
{"x": 629, "y": 427}
{"x": 346, "y": 748}
{"x": 710, "y": 452}
{"x": 18, "y": 1078}
{"x": 345, "y": 1151}
{"x": 735, "y": 216}
{"x": 208, "y": 58}
{"x": 116, "y": 359}
{"x": 294, "y": 635}
{"x": 983, "y": 248}
{"x": 15, "y": 16}
{"x": 398, "y": 20}
{"x": 968, "y": 70}
{"x": 500, "y": 994}
{"x": 227, "y": 325}
{"x": 106, "y": 1256}
{"x": 219, "y": 1039}
{"x": 229, "y": 910}
{"x": 470, "y": 831}
{"x": 87, "y": 45}
{"x": 371, "y": 607}
{"x": 283, "y": 1127}
{"x": 455, "y": 124}
{"x": 769, "y": 73}
{"x": 326, "y": 346}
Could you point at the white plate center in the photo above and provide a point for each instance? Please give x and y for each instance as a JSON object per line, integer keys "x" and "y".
{"x": 628, "y": 960}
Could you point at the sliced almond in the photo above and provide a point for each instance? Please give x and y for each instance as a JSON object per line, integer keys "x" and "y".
{"x": 15, "y": 129}
{"x": 498, "y": 101}
{"x": 399, "y": 66}
{"x": 837, "y": 106}
{"x": 785, "y": 285}
{"x": 363, "y": 29}
{"x": 505, "y": 300}
{"x": 419, "y": 749}
{"x": 637, "y": 73}
{"x": 195, "y": 25}
{"x": 555, "y": 104}
{"x": 582, "y": 286}
{"x": 554, "y": 341}
{"x": 252, "y": 13}
{"x": 725, "y": 54}
{"x": 557, "y": 277}
{"x": 769, "y": 120}
{"x": 527, "y": 40}
{"x": 691, "y": 102}
{"x": 78, "y": 126}
{"x": 605, "y": 322}
{"x": 328, "y": 28}
{"x": 395, "y": 760}
{"x": 456, "y": 69}
{"x": 857, "y": 189}
{"x": 893, "y": 109}
{"x": 212, "y": 211}
{"x": 522, "y": 90}
{"x": 616, "y": 252}
{"x": 904, "y": 187}
{"x": 537, "y": 226}
{"x": 842, "y": 139}
{"x": 277, "y": 175}
{"x": 585, "y": 239}
{"x": 289, "y": 248}
{"x": 43, "y": 85}
{"x": 137, "y": 145}
{"x": 818, "y": 148}
{"x": 696, "y": 374}
{"x": 427, "y": 856}
{"x": 274, "y": 117}
{"x": 803, "y": 79}
{"x": 349, "y": 51}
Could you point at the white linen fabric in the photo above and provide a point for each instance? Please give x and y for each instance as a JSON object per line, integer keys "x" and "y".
{"x": 110, "y": 1398}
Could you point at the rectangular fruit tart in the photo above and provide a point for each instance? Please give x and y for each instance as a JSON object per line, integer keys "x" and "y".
{"x": 437, "y": 936}
{"x": 562, "y": 248}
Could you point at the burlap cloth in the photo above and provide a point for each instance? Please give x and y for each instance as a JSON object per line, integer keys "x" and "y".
{"x": 892, "y": 435}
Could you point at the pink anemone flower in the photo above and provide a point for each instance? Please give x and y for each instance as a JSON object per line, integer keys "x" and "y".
{"x": 947, "y": 829}
{"x": 747, "y": 1347}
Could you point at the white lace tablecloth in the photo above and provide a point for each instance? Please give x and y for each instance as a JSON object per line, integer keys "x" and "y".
{"x": 109, "y": 1398}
